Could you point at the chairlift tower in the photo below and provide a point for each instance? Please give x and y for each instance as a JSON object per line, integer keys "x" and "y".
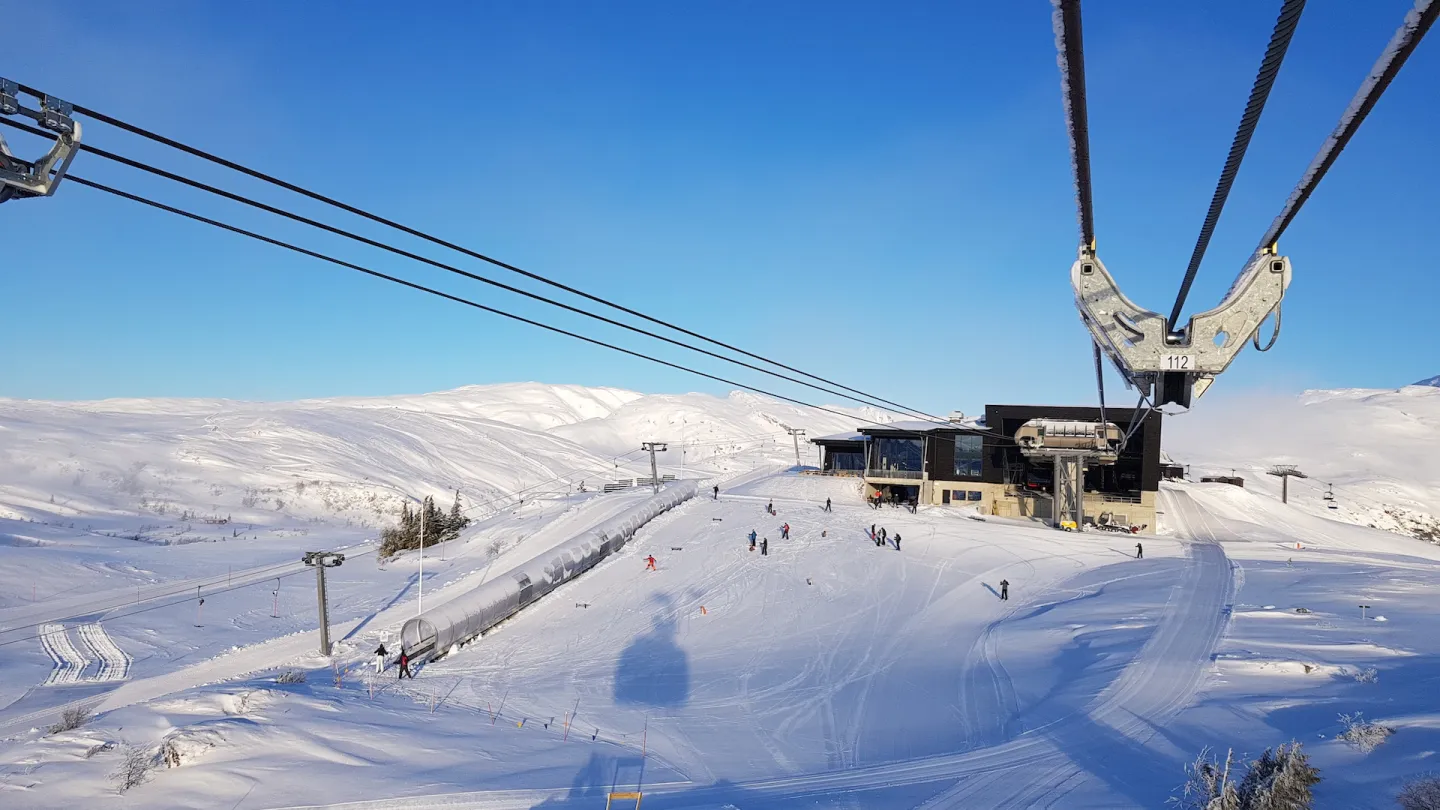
{"x": 1285, "y": 472}
{"x": 654, "y": 472}
{"x": 320, "y": 560}
{"x": 1070, "y": 446}
{"x": 21, "y": 179}
{"x": 795, "y": 435}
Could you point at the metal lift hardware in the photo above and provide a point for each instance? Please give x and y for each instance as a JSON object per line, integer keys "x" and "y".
{"x": 1177, "y": 366}
{"x": 21, "y": 178}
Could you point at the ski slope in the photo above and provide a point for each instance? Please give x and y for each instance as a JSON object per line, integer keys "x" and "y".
{"x": 828, "y": 673}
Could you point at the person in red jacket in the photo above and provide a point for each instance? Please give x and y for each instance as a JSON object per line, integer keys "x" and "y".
{"x": 650, "y": 563}
{"x": 405, "y": 665}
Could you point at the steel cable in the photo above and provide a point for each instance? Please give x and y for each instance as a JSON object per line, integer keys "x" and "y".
{"x": 200, "y": 153}
{"x": 1069, "y": 44}
{"x": 168, "y": 175}
{"x": 1417, "y": 22}
{"x": 1285, "y": 25}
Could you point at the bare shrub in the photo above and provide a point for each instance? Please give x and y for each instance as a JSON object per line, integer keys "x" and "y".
{"x": 1420, "y": 793}
{"x": 71, "y": 719}
{"x": 1363, "y": 734}
{"x": 291, "y": 676}
{"x": 134, "y": 768}
{"x": 99, "y": 749}
{"x": 1368, "y": 675}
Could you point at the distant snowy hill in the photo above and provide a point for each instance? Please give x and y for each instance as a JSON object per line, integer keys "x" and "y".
{"x": 352, "y": 459}
{"x": 1435, "y": 381}
{"x": 1376, "y": 448}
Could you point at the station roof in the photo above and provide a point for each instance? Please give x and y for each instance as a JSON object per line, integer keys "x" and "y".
{"x": 836, "y": 438}
{"x": 922, "y": 426}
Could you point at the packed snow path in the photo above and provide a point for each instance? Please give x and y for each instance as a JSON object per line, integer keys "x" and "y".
{"x": 69, "y": 663}
{"x": 114, "y": 662}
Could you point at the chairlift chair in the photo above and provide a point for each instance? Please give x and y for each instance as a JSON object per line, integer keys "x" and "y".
{"x": 1329, "y": 497}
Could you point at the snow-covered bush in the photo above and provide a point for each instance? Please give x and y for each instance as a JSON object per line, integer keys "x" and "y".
{"x": 1368, "y": 675}
{"x": 1363, "y": 734}
{"x": 134, "y": 768}
{"x": 1278, "y": 780}
{"x": 1420, "y": 793}
{"x": 1209, "y": 786}
{"x": 291, "y": 676}
{"x": 71, "y": 719}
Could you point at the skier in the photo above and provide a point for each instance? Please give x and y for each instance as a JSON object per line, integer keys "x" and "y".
{"x": 897, "y": 541}
{"x": 405, "y": 666}
{"x": 715, "y": 492}
{"x": 752, "y": 539}
{"x": 770, "y": 507}
{"x": 380, "y": 654}
{"x": 785, "y": 532}
{"x": 765, "y": 547}
{"x": 1139, "y": 552}
{"x": 650, "y": 563}
{"x": 1004, "y": 590}
{"x": 827, "y": 504}
{"x": 872, "y": 531}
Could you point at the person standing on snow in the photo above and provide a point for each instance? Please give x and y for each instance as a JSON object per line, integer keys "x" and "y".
{"x": 716, "y": 492}
{"x": 770, "y": 507}
{"x": 827, "y": 504}
{"x": 752, "y": 539}
{"x": 897, "y": 541}
{"x": 1139, "y": 552}
{"x": 765, "y": 547}
{"x": 380, "y": 654}
{"x": 650, "y": 563}
{"x": 1004, "y": 590}
{"x": 405, "y": 666}
{"x": 785, "y": 532}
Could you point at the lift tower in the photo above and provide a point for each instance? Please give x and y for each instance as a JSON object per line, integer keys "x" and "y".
{"x": 654, "y": 472}
{"x": 1071, "y": 446}
{"x": 320, "y": 560}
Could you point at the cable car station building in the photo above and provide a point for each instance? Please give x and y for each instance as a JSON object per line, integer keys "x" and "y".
{"x": 981, "y": 464}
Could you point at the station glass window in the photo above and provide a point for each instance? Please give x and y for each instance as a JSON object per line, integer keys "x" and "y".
{"x": 968, "y": 455}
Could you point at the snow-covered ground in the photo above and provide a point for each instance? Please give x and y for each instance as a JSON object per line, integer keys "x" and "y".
{"x": 1374, "y": 449}
{"x": 829, "y": 673}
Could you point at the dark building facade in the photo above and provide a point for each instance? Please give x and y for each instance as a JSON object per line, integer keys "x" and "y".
{"x": 979, "y": 464}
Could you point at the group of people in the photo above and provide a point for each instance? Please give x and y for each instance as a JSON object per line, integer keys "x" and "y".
{"x": 764, "y": 544}
{"x": 881, "y": 537}
{"x": 403, "y": 661}
{"x": 894, "y": 499}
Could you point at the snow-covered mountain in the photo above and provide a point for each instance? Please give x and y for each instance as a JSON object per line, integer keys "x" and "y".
{"x": 350, "y": 459}
{"x": 1435, "y": 381}
{"x": 1375, "y": 450}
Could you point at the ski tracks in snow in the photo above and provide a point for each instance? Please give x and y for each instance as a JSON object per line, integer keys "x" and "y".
{"x": 114, "y": 662}
{"x": 1161, "y": 680}
{"x": 70, "y": 664}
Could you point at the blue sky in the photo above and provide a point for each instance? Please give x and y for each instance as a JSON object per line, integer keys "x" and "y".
{"x": 878, "y": 193}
